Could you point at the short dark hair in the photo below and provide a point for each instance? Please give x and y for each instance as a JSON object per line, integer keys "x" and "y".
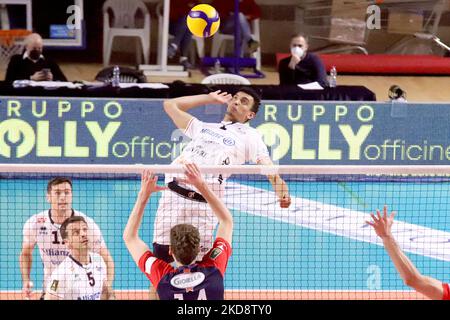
{"x": 298, "y": 35}
{"x": 65, "y": 224}
{"x": 256, "y": 97}
{"x": 56, "y": 181}
{"x": 185, "y": 242}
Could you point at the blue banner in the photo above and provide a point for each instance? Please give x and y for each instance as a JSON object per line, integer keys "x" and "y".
{"x": 130, "y": 131}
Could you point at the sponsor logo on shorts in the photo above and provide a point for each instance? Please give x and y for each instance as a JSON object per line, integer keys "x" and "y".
{"x": 94, "y": 296}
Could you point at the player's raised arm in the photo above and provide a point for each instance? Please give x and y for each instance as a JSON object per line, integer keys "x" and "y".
{"x": 278, "y": 184}
{"x": 134, "y": 243}
{"x": 177, "y": 108}
{"x": 428, "y": 286}
{"x": 225, "y": 228}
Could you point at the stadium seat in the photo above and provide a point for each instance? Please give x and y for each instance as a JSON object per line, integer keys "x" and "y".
{"x": 119, "y": 20}
{"x": 225, "y": 78}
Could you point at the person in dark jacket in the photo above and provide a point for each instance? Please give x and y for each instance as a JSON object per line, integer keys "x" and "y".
{"x": 32, "y": 65}
{"x": 302, "y": 66}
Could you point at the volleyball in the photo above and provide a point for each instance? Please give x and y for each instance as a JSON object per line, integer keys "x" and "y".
{"x": 203, "y": 20}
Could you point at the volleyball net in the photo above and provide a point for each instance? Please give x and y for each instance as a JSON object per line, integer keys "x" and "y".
{"x": 318, "y": 248}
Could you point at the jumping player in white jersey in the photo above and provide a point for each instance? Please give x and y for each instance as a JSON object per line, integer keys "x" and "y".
{"x": 43, "y": 230}
{"x": 82, "y": 275}
{"x": 230, "y": 142}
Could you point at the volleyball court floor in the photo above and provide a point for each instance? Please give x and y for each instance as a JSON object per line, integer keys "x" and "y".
{"x": 318, "y": 249}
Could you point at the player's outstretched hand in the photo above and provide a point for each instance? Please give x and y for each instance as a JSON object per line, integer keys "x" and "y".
{"x": 220, "y": 97}
{"x": 149, "y": 184}
{"x": 193, "y": 175}
{"x": 285, "y": 202}
{"x": 382, "y": 224}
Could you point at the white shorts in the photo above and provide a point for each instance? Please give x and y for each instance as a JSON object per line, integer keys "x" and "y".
{"x": 174, "y": 209}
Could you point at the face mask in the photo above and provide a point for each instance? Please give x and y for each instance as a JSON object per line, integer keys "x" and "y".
{"x": 35, "y": 54}
{"x": 297, "y": 51}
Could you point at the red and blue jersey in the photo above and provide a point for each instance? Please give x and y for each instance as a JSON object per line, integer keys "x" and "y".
{"x": 199, "y": 281}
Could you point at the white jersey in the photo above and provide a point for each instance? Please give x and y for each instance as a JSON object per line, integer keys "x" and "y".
{"x": 40, "y": 229}
{"x": 73, "y": 281}
{"x": 225, "y": 143}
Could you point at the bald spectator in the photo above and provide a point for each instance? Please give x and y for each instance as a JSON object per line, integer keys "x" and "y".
{"x": 32, "y": 65}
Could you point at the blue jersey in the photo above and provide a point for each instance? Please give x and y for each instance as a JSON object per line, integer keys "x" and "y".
{"x": 199, "y": 281}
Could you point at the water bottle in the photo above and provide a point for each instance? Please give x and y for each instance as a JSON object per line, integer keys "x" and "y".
{"x": 217, "y": 66}
{"x": 333, "y": 77}
{"x": 116, "y": 77}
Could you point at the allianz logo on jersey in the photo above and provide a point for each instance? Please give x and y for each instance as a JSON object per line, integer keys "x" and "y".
{"x": 56, "y": 252}
{"x": 226, "y": 140}
{"x": 187, "y": 280}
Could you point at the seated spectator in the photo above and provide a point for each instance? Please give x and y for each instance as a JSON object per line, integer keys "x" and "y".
{"x": 179, "y": 10}
{"x": 32, "y": 65}
{"x": 302, "y": 66}
{"x": 248, "y": 11}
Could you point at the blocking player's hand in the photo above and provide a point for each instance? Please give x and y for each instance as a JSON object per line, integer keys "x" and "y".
{"x": 220, "y": 97}
{"x": 285, "y": 201}
{"x": 382, "y": 224}
{"x": 27, "y": 289}
{"x": 149, "y": 184}
{"x": 193, "y": 175}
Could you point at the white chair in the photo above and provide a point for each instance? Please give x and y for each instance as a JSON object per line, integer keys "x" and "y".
{"x": 124, "y": 25}
{"x": 225, "y": 78}
{"x": 218, "y": 45}
{"x": 199, "y": 42}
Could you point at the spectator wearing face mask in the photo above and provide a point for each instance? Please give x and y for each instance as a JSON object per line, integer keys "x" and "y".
{"x": 302, "y": 66}
{"x": 32, "y": 65}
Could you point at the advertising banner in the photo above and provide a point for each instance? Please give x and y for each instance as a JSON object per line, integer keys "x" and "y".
{"x": 130, "y": 131}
